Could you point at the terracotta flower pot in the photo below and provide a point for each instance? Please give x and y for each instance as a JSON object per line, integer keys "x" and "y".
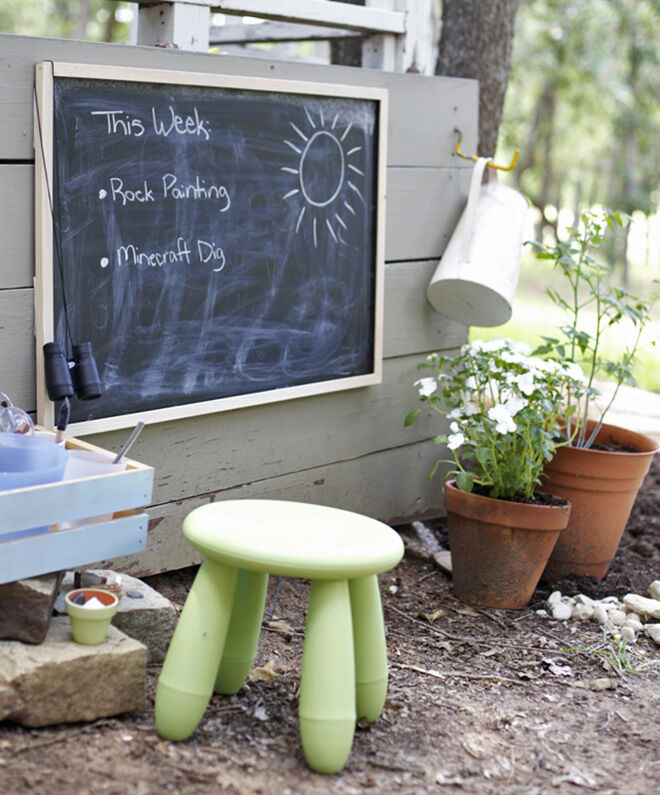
{"x": 499, "y": 548}
{"x": 601, "y": 487}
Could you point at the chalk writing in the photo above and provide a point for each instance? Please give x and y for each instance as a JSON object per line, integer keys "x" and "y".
{"x": 171, "y": 188}
{"x": 195, "y": 190}
{"x": 207, "y": 251}
{"x": 142, "y": 194}
{"x": 121, "y": 123}
{"x": 190, "y": 125}
{"x": 118, "y": 122}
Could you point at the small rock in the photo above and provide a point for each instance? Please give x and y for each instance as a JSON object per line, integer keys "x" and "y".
{"x": 541, "y": 612}
{"x": 632, "y": 620}
{"x": 582, "y": 599}
{"x": 600, "y": 614}
{"x": 582, "y": 612}
{"x": 89, "y": 580}
{"x": 94, "y": 603}
{"x": 654, "y": 589}
{"x": 26, "y": 607}
{"x": 561, "y": 611}
{"x": 132, "y": 594}
{"x": 600, "y": 684}
{"x": 653, "y": 631}
{"x": 628, "y": 633}
{"x": 643, "y": 547}
{"x": 617, "y": 617}
{"x": 642, "y": 605}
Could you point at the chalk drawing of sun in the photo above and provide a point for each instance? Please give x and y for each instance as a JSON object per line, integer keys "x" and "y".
{"x": 325, "y": 177}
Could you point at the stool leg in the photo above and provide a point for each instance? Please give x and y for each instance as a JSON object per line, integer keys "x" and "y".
{"x": 186, "y": 680}
{"x": 370, "y": 650}
{"x": 243, "y": 634}
{"x": 327, "y": 688}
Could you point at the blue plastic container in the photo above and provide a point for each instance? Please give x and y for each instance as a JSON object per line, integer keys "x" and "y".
{"x": 29, "y": 461}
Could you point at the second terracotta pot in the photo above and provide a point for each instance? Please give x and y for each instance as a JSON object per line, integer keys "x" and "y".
{"x": 499, "y": 548}
{"x": 601, "y": 487}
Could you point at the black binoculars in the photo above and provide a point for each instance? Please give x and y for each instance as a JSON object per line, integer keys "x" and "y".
{"x": 64, "y": 379}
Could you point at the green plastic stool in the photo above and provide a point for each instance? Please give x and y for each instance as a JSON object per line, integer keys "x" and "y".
{"x": 344, "y": 669}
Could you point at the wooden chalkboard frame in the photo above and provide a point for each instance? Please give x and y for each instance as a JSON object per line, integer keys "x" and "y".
{"x": 46, "y": 73}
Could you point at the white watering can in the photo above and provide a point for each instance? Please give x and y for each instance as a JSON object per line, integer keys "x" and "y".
{"x": 476, "y": 279}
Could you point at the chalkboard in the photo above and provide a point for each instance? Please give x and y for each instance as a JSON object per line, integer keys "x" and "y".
{"x": 218, "y": 240}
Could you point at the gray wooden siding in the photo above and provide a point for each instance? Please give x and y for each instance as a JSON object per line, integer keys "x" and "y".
{"x": 348, "y": 449}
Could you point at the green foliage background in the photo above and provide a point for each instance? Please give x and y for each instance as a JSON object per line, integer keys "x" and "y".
{"x": 97, "y": 20}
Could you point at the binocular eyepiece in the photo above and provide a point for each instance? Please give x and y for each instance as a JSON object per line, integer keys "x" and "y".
{"x": 64, "y": 379}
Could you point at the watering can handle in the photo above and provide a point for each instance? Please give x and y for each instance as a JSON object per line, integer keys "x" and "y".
{"x": 471, "y": 208}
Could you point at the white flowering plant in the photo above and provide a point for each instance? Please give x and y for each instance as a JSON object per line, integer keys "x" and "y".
{"x": 506, "y": 410}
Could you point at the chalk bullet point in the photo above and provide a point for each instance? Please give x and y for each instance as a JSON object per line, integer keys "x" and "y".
{"x": 102, "y": 193}
{"x": 105, "y": 262}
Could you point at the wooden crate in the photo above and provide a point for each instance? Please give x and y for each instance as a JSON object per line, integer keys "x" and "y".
{"x": 121, "y": 494}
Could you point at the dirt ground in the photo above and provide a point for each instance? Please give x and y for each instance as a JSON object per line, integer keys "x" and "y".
{"x": 480, "y": 701}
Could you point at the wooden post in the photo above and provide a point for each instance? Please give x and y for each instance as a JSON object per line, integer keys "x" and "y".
{"x": 414, "y": 51}
{"x": 174, "y": 24}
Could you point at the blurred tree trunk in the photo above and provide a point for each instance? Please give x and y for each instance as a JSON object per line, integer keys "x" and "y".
{"x": 110, "y": 25}
{"x": 84, "y": 11}
{"x": 476, "y": 42}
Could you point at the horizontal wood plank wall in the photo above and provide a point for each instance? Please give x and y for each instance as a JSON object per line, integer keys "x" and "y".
{"x": 348, "y": 449}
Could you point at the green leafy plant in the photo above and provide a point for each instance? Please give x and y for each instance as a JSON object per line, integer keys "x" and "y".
{"x": 618, "y": 656}
{"x": 589, "y": 290}
{"x": 506, "y": 410}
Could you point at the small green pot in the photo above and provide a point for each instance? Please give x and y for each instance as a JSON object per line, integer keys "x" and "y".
{"x": 90, "y": 625}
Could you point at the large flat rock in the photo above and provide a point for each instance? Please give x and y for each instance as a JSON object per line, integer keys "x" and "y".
{"x": 61, "y": 681}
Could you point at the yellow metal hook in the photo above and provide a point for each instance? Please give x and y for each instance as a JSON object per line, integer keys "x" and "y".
{"x": 490, "y": 164}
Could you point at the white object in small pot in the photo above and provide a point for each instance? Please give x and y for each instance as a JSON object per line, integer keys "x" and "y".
{"x": 476, "y": 279}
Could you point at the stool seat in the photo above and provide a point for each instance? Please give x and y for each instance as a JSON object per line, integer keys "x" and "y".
{"x": 293, "y": 539}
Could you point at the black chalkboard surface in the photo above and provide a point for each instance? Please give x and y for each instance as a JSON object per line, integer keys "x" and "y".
{"x": 215, "y": 241}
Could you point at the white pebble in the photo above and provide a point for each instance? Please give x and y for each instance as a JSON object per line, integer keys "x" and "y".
{"x": 542, "y": 613}
{"x": 562, "y": 611}
{"x": 94, "y": 604}
{"x": 582, "y": 612}
{"x": 600, "y": 614}
{"x": 654, "y": 589}
{"x": 632, "y": 620}
{"x": 628, "y": 633}
{"x": 617, "y": 617}
{"x": 582, "y": 599}
{"x": 642, "y": 605}
{"x": 653, "y": 631}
